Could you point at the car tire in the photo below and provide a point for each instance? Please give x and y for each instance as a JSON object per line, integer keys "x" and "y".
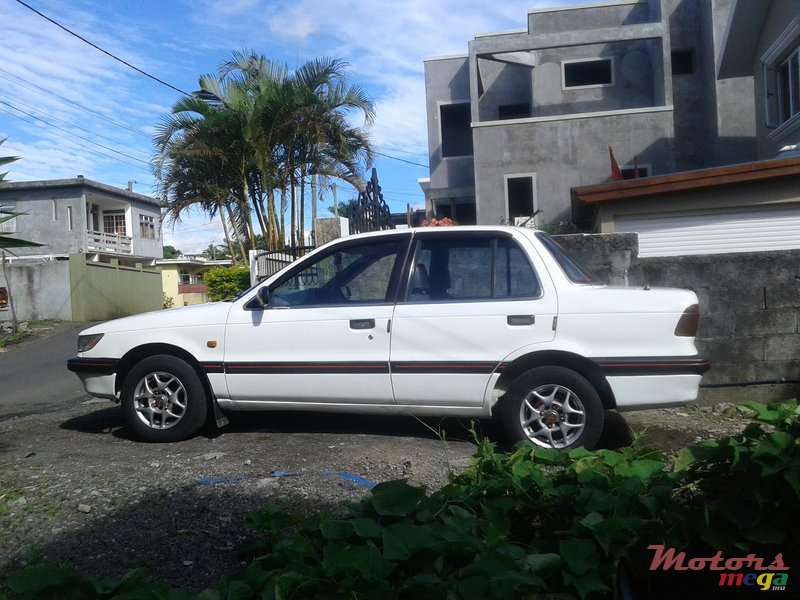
{"x": 163, "y": 399}
{"x": 552, "y": 407}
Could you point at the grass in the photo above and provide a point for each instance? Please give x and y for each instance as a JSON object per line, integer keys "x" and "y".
{"x": 9, "y": 339}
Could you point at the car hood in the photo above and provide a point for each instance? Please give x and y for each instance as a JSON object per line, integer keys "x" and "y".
{"x": 213, "y": 313}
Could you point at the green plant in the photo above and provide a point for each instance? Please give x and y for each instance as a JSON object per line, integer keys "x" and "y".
{"x": 10, "y": 339}
{"x": 168, "y": 301}
{"x": 533, "y": 523}
{"x": 226, "y": 282}
{"x": 558, "y": 228}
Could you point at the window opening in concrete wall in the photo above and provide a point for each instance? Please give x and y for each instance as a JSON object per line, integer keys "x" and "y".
{"x": 54, "y": 206}
{"x": 456, "y": 130}
{"x": 70, "y": 224}
{"x": 3, "y": 297}
{"x": 519, "y": 193}
{"x": 514, "y": 111}
{"x": 634, "y": 172}
{"x": 781, "y": 70}
{"x": 147, "y": 226}
{"x": 114, "y": 222}
{"x": 588, "y": 73}
{"x": 683, "y": 62}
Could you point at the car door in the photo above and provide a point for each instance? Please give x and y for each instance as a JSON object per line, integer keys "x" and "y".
{"x": 324, "y": 336}
{"x": 472, "y": 299}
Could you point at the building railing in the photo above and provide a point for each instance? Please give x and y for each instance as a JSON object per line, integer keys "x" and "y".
{"x": 109, "y": 242}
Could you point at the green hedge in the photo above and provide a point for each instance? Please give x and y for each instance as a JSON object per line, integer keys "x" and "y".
{"x": 226, "y": 282}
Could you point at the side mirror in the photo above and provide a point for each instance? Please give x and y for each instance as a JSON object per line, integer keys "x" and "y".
{"x": 260, "y": 301}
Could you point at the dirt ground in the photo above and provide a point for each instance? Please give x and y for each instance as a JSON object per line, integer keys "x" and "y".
{"x": 76, "y": 490}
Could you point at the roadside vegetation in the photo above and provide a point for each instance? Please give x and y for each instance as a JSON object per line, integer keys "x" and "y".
{"x": 226, "y": 282}
{"x": 8, "y": 337}
{"x": 532, "y": 523}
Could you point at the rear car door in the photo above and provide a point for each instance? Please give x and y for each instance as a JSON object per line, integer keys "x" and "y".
{"x": 472, "y": 298}
{"x": 325, "y": 335}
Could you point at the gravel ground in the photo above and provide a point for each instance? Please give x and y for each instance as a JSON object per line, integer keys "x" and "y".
{"x": 75, "y": 490}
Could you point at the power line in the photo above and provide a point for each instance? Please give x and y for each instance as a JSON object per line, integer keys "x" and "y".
{"x": 42, "y": 91}
{"x": 403, "y": 160}
{"x": 69, "y": 139}
{"x": 70, "y": 124}
{"x": 74, "y": 134}
{"x": 156, "y": 79}
{"x": 106, "y": 52}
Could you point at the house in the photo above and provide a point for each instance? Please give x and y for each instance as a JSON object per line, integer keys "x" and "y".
{"x": 101, "y": 244}
{"x": 744, "y": 207}
{"x": 526, "y": 115}
{"x": 762, "y": 40}
{"x": 182, "y": 278}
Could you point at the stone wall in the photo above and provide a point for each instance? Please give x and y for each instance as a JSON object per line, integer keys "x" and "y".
{"x": 749, "y": 310}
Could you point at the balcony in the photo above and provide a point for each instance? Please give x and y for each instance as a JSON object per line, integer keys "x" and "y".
{"x": 109, "y": 242}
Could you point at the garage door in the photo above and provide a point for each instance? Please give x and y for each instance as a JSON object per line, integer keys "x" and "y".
{"x": 715, "y": 232}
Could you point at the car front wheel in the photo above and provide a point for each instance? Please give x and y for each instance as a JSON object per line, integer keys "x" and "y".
{"x": 163, "y": 399}
{"x": 552, "y": 407}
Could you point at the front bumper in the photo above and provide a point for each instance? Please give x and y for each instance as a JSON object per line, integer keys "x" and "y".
{"x": 98, "y": 375}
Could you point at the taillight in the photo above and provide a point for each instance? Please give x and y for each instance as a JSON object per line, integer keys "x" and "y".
{"x": 689, "y": 322}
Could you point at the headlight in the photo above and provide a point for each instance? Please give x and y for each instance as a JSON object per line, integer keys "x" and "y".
{"x": 87, "y": 342}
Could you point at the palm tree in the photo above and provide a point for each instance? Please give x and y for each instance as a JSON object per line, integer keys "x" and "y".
{"x": 254, "y": 131}
{"x": 321, "y": 142}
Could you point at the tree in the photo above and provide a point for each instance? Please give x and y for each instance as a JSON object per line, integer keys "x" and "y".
{"x": 172, "y": 252}
{"x": 255, "y": 132}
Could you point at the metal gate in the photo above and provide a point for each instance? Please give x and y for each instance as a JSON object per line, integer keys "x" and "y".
{"x": 371, "y": 212}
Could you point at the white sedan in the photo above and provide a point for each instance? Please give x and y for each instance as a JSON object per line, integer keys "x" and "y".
{"x": 478, "y": 322}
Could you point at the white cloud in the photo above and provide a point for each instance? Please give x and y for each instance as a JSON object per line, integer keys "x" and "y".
{"x": 384, "y": 41}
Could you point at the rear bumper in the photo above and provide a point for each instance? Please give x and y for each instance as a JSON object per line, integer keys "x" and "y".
{"x": 98, "y": 375}
{"x": 654, "y": 382}
{"x": 654, "y": 391}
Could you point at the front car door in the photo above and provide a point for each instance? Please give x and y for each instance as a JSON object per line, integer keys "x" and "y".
{"x": 472, "y": 299}
{"x": 324, "y": 337}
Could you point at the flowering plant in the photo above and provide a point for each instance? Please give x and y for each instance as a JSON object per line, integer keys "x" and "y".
{"x": 445, "y": 222}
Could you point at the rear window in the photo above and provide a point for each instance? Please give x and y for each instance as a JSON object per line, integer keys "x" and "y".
{"x": 574, "y": 271}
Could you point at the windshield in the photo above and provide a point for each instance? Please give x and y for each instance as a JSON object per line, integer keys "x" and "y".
{"x": 571, "y": 267}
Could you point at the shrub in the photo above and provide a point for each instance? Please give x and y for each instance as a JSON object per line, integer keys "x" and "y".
{"x": 226, "y": 282}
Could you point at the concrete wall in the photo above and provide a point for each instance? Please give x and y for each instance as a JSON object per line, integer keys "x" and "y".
{"x": 46, "y": 219}
{"x": 750, "y": 309}
{"x": 102, "y": 291}
{"x": 563, "y": 154}
{"x": 39, "y": 290}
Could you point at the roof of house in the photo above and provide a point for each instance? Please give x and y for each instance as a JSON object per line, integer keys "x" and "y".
{"x": 79, "y": 181}
{"x": 631, "y": 189}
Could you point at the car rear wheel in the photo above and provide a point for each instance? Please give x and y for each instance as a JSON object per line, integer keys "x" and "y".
{"x": 163, "y": 399}
{"x": 552, "y": 407}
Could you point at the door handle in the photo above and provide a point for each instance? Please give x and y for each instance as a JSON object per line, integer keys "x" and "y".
{"x": 362, "y": 324}
{"x": 521, "y": 320}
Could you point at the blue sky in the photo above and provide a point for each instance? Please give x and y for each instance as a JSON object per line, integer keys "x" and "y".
{"x": 68, "y": 109}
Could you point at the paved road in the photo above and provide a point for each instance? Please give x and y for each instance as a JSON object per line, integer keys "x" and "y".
{"x": 34, "y": 375}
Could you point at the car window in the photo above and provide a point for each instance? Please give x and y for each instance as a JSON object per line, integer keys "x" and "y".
{"x": 471, "y": 268}
{"x": 574, "y": 271}
{"x": 353, "y": 274}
